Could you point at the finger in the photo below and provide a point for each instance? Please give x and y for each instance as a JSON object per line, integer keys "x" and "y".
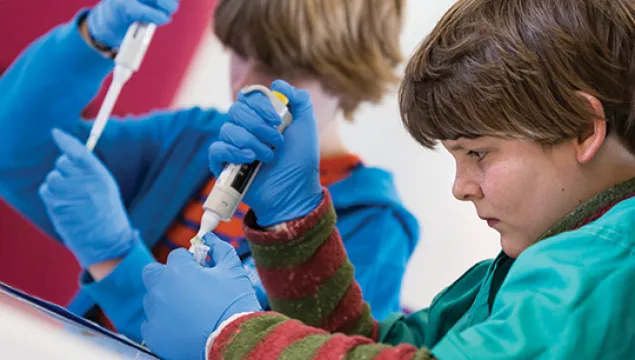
{"x": 246, "y": 117}
{"x": 137, "y": 11}
{"x": 167, "y": 6}
{"x": 45, "y": 194}
{"x": 145, "y": 331}
{"x": 67, "y": 143}
{"x": 182, "y": 258}
{"x": 67, "y": 167}
{"x": 58, "y": 204}
{"x": 150, "y": 303}
{"x": 299, "y": 100}
{"x": 56, "y": 183}
{"x": 71, "y": 147}
{"x": 243, "y": 139}
{"x": 148, "y": 306}
{"x": 220, "y": 154}
{"x": 50, "y": 200}
{"x": 64, "y": 165}
{"x": 151, "y": 274}
{"x": 261, "y": 104}
{"x": 150, "y": 331}
{"x": 221, "y": 252}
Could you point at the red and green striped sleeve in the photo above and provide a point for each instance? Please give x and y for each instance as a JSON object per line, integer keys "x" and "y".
{"x": 269, "y": 336}
{"x": 319, "y": 310}
{"x": 307, "y": 275}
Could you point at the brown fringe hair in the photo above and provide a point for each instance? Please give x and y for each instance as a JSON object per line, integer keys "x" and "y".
{"x": 513, "y": 68}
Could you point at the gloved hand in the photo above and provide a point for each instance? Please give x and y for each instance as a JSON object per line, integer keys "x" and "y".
{"x": 84, "y": 204}
{"x": 109, "y": 20}
{"x": 250, "y": 268}
{"x": 186, "y": 302}
{"x": 288, "y": 184}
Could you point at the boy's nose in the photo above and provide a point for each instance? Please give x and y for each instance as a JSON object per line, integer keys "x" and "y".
{"x": 465, "y": 189}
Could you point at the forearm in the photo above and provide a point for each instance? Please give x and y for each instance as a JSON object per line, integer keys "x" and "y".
{"x": 304, "y": 266}
{"x": 47, "y": 87}
{"x": 120, "y": 290}
{"x": 101, "y": 270}
{"x": 275, "y": 336}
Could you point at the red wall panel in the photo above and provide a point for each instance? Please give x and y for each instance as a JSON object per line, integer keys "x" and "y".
{"x": 28, "y": 259}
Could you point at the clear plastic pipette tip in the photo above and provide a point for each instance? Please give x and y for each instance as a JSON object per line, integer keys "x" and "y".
{"x": 199, "y": 250}
{"x": 209, "y": 222}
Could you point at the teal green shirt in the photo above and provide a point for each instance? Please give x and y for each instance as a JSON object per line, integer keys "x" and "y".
{"x": 571, "y": 293}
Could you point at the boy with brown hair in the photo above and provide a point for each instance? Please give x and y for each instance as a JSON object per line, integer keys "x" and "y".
{"x": 535, "y": 101}
{"x": 140, "y": 195}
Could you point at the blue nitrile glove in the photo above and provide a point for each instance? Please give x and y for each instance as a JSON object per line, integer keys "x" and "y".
{"x": 84, "y": 204}
{"x": 109, "y": 20}
{"x": 288, "y": 184}
{"x": 250, "y": 267}
{"x": 186, "y": 302}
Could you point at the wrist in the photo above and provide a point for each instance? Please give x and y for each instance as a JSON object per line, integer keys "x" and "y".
{"x": 277, "y": 227}
{"x": 102, "y": 269}
{"x": 219, "y": 329}
{"x": 124, "y": 243}
{"x": 112, "y": 248}
{"x": 292, "y": 210}
{"x": 100, "y": 47}
{"x": 322, "y": 217}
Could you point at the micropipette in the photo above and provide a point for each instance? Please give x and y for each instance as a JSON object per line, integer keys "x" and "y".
{"x": 234, "y": 181}
{"x": 129, "y": 56}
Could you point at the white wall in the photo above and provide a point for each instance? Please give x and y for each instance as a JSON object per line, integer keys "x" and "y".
{"x": 453, "y": 237}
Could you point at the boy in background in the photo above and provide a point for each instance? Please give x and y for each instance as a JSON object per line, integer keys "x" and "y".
{"x": 140, "y": 195}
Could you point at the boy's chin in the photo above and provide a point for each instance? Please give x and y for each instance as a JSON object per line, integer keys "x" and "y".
{"x": 512, "y": 247}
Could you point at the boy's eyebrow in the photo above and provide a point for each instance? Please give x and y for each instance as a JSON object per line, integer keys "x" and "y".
{"x": 455, "y": 147}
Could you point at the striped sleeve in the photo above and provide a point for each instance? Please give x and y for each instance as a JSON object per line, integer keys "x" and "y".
{"x": 273, "y": 336}
{"x": 319, "y": 311}
{"x": 307, "y": 274}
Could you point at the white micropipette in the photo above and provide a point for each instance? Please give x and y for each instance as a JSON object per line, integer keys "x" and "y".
{"x": 234, "y": 181}
{"x": 129, "y": 56}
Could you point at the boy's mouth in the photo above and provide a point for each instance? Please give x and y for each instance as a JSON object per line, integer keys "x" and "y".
{"x": 491, "y": 222}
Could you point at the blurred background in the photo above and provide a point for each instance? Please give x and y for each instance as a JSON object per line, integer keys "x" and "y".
{"x": 193, "y": 70}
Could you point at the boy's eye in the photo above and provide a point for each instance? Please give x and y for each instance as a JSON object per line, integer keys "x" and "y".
{"x": 478, "y": 155}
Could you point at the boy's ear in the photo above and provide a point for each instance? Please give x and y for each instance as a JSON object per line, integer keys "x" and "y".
{"x": 589, "y": 142}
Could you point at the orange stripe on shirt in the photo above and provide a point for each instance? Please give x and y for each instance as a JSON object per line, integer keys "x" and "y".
{"x": 332, "y": 169}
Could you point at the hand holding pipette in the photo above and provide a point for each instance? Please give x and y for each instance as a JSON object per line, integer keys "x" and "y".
{"x": 125, "y": 27}
{"x": 288, "y": 185}
{"x": 235, "y": 179}
{"x": 127, "y": 61}
{"x": 109, "y": 21}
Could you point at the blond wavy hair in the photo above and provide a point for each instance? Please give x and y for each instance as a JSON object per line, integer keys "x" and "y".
{"x": 350, "y": 46}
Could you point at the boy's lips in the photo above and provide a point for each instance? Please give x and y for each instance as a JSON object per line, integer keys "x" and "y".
{"x": 491, "y": 222}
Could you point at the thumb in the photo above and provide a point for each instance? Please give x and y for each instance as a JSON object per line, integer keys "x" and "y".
{"x": 220, "y": 251}
{"x": 299, "y": 100}
{"x": 70, "y": 146}
{"x": 151, "y": 274}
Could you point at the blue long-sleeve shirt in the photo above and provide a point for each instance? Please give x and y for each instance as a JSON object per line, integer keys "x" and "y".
{"x": 159, "y": 160}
